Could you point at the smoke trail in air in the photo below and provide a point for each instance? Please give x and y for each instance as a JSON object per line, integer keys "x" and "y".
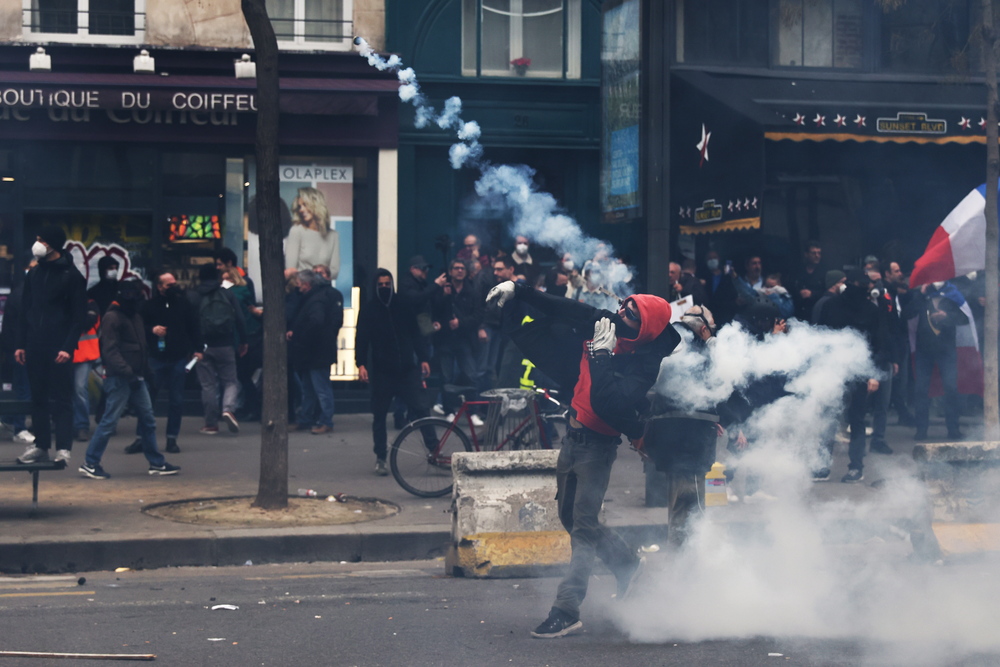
{"x": 535, "y": 214}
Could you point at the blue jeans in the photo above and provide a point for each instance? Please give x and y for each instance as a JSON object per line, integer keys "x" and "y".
{"x": 120, "y": 392}
{"x": 582, "y": 474}
{"x": 22, "y": 392}
{"x": 81, "y": 397}
{"x": 171, "y": 375}
{"x": 317, "y": 397}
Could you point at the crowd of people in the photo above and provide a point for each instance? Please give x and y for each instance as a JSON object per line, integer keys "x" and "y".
{"x": 58, "y": 336}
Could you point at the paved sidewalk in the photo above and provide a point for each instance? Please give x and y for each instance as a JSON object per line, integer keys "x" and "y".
{"x": 85, "y": 524}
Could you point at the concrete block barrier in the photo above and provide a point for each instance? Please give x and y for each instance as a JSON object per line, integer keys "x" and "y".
{"x": 505, "y": 522}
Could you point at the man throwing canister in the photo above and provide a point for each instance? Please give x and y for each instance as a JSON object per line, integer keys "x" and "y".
{"x": 620, "y": 359}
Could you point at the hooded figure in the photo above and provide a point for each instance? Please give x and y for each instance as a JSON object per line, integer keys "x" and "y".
{"x": 106, "y": 289}
{"x": 611, "y": 360}
{"x": 393, "y": 356}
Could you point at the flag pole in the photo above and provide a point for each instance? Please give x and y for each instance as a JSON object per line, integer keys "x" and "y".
{"x": 991, "y": 409}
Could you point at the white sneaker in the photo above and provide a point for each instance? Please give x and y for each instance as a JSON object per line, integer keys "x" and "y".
{"x": 25, "y": 436}
{"x": 477, "y": 421}
{"x": 62, "y": 455}
{"x": 438, "y": 409}
{"x": 450, "y": 417}
{"x": 33, "y": 455}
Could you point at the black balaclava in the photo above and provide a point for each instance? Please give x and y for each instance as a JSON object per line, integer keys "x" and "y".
{"x": 383, "y": 294}
{"x": 130, "y": 296}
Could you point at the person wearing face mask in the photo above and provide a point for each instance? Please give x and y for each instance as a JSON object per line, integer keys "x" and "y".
{"x": 835, "y": 281}
{"x": 392, "y": 357}
{"x": 12, "y": 314}
{"x": 937, "y": 310}
{"x": 85, "y": 359}
{"x": 853, "y": 309}
{"x": 54, "y": 306}
{"x": 523, "y": 262}
{"x": 125, "y": 356}
{"x": 611, "y": 360}
{"x": 312, "y": 348}
{"x": 106, "y": 288}
{"x": 171, "y": 332}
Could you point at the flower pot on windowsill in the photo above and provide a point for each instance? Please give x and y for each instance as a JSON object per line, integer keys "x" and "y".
{"x": 521, "y": 70}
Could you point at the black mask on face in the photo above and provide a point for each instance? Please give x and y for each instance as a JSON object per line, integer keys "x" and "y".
{"x": 853, "y": 292}
{"x": 623, "y": 330}
{"x": 384, "y": 294}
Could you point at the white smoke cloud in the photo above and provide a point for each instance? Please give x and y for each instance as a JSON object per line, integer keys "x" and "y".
{"x": 808, "y": 567}
{"x": 535, "y": 214}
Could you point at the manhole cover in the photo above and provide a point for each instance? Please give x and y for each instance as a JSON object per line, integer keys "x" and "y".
{"x": 238, "y": 513}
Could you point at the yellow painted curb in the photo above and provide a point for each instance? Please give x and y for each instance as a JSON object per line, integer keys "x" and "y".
{"x": 967, "y": 538}
{"x": 508, "y": 554}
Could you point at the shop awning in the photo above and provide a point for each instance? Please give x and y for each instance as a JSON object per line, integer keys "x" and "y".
{"x": 313, "y": 96}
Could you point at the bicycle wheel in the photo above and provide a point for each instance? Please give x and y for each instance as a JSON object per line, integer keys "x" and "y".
{"x": 420, "y": 458}
{"x": 554, "y": 429}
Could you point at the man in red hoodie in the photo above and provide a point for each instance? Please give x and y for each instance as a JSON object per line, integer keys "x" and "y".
{"x": 621, "y": 354}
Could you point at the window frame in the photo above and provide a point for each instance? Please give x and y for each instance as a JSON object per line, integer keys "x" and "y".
{"x": 572, "y": 39}
{"x": 299, "y": 41}
{"x": 82, "y": 34}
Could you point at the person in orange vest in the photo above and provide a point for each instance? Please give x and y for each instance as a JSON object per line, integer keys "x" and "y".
{"x": 85, "y": 359}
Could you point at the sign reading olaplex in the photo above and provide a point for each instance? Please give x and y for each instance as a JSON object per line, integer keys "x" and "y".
{"x": 164, "y": 98}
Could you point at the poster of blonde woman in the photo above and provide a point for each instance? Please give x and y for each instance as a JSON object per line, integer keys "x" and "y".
{"x": 320, "y": 200}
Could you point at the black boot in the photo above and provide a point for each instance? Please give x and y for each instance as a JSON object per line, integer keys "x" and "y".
{"x": 135, "y": 447}
{"x": 172, "y": 447}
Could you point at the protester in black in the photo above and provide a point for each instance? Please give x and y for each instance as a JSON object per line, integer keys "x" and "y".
{"x": 393, "y": 357}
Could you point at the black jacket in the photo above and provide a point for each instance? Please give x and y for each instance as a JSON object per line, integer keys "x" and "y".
{"x": 54, "y": 307}
{"x": 417, "y": 294}
{"x": 123, "y": 344}
{"x": 174, "y": 312}
{"x": 852, "y": 309}
{"x": 12, "y": 314}
{"x": 934, "y": 336}
{"x": 468, "y": 306}
{"x": 388, "y": 340}
{"x": 195, "y": 297}
{"x": 315, "y": 329}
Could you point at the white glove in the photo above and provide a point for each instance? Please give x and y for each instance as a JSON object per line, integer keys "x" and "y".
{"x": 604, "y": 335}
{"x": 501, "y": 294}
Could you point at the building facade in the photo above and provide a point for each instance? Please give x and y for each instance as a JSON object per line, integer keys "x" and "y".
{"x": 860, "y": 124}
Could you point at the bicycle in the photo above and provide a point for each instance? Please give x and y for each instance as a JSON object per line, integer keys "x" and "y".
{"x": 420, "y": 457}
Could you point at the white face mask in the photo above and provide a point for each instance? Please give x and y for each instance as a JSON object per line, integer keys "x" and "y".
{"x": 39, "y": 249}
{"x": 521, "y": 248}
{"x": 111, "y": 275}
{"x": 712, "y": 264}
{"x": 841, "y": 287}
{"x": 226, "y": 284}
{"x": 568, "y": 265}
{"x": 939, "y": 284}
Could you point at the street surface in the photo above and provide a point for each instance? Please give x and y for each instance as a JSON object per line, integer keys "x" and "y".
{"x": 365, "y": 614}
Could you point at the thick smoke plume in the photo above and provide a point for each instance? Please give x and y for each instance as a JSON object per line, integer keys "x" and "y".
{"x": 535, "y": 214}
{"x": 803, "y": 562}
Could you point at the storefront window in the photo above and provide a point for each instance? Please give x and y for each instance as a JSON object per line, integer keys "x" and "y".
{"x": 819, "y": 33}
{"x": 930, "y": 36}
{"x": 535, "y": 38}
{"x": 193, "y": 187}
{"x": 731, "y": 32}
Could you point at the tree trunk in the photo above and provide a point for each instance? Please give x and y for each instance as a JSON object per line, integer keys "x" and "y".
{"x": 272, "y": 489}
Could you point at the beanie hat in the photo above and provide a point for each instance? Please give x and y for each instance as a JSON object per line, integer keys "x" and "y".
{"x": 833, "y": 277}
{"x": 53, "y": 235}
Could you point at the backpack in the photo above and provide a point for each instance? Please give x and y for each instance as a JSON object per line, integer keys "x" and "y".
{"x": 216, "y": 315}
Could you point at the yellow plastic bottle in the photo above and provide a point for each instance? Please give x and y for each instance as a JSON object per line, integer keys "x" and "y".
{"x": 715, "y": 486}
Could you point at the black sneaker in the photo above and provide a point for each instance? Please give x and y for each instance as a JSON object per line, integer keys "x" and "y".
{"x": 82, "y": 435}
{"x": 172, "y": 447}
{"x": 821, "y": 475}
{"x": 880, "y": 448}
{"x": 94, "y": 472}
{"x": 230, "y": 419}
{"x": 853, "y": 476}
{"x": 135, "y": 447}
{"x": 165, "y": 469}
{"x": 558, "y": 624}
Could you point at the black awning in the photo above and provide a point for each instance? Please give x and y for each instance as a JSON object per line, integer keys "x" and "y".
{"x": 316, "y": 96}
{"x": 844, "y": 109}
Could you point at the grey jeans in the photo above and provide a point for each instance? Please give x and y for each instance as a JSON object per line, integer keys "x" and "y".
{"x": 582, "y": 474}
{"x": 218, "y": 365}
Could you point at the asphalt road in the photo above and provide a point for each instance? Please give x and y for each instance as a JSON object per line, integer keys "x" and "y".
{"x": 354, "y": 614}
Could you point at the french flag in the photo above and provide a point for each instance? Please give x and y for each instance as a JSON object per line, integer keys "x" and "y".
{"x": 958, "y": 246}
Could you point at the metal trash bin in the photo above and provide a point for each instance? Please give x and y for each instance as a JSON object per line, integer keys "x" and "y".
{"x": 511, "y": 420}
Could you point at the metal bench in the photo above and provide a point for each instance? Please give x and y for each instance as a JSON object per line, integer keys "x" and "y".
{"x": 34, "y": 469}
